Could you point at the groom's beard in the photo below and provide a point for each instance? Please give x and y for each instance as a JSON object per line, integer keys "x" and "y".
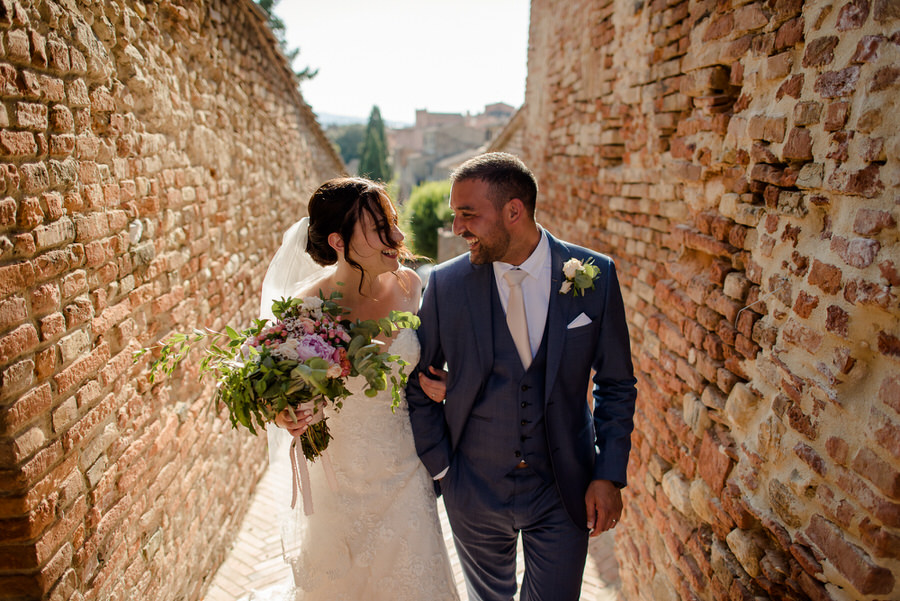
{"x": 490, "y": 248}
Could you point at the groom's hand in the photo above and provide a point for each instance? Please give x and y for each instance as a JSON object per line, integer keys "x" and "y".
{"x": 604, "y": 506}
{"x": 435, "y": 388}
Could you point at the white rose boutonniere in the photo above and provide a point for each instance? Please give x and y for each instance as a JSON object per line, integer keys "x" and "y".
{"x": 580, "y": 276}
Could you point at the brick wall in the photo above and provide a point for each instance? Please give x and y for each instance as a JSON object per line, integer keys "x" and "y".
{"x": 150, "y": 155}
{"x": 739, "y": 160}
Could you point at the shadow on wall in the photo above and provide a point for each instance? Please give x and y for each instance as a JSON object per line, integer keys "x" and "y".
{"x": 142, "y": 191}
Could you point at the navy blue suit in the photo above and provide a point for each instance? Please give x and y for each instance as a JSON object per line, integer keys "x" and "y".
{"x": 488, "y": 403}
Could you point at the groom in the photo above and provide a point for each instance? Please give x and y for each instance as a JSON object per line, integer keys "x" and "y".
{"x": 515, "y": 447}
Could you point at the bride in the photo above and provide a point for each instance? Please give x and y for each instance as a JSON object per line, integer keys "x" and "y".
{"x": 376, "y": 535}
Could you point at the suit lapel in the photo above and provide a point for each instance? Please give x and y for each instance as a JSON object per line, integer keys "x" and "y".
{"x": 480, "y": 359}
{"x": 478, "y": 293}
{"x": 557, "y": 314}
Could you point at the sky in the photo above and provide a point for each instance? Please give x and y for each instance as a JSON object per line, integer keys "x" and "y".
{"x": 446, "y": 56}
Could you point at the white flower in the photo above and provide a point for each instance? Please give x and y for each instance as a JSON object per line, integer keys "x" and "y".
{"x": 570, "y": 269}
{"x": 312, "y": 303}
{"x": 334, "y": 370}
{"x": 287, "y": 350}
{"x": 579, "y": 276}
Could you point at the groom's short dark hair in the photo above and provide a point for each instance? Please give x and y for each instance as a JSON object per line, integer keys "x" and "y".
{"x": 507, "y": 176}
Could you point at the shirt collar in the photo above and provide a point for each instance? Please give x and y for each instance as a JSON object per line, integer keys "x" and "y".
{"x": 534, "y": 264}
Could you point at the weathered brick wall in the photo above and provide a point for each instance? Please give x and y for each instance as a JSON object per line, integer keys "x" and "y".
{"x": 739, "y": 160}
{"x": 150, "y": 155}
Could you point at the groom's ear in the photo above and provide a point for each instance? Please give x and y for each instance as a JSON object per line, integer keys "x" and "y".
{"x": 336, "y": 242}
{"x": 514, "y": 210}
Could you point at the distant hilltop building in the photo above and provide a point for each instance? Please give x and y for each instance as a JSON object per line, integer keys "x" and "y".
{"x": 429, "y": 149}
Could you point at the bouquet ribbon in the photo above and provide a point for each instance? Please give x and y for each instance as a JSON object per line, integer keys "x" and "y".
{"x": 300, "y": 485}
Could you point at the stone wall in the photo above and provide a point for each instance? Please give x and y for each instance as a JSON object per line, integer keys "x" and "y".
{"x": 511, "y": 138}
{"x": 739, "y": 160}
{"x": 150, "y": 155}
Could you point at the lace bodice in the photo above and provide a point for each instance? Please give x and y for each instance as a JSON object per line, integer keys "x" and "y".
{"x": 406, "y": 344}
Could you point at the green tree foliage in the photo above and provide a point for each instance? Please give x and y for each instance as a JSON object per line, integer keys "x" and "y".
{"x": 426, "y": 211}
{"x": 349, "y": 139}
{"x": 374, "y": 160}
{"x": 277, "y": 27}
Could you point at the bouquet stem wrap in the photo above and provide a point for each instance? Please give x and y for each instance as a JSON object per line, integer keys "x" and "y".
{"x": 310, "y": 444}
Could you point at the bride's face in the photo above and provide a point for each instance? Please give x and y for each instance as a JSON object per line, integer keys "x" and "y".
{"x": 369, "y": 250}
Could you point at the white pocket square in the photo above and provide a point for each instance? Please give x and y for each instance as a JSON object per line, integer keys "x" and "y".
{"x": 581, "y": 320}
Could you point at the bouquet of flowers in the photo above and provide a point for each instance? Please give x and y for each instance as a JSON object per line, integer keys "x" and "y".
{"x": 302, "y": 359}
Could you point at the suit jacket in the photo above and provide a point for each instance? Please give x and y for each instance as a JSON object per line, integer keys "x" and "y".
{"x": 456, "y": 329}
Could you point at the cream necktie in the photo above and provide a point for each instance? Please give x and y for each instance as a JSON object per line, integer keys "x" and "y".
{"x": 515, "y": 315}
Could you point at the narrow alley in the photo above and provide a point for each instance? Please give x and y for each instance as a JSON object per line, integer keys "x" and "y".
{"x": 254, "y": 561}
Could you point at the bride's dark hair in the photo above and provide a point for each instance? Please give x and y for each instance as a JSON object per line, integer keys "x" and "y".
{"x": 337, "y": 206}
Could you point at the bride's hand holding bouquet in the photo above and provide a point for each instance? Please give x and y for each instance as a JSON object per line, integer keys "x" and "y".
{"x": 299, "y": 361}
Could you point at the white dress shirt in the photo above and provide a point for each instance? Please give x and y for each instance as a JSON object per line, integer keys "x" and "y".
{"x": 535, "y": 289}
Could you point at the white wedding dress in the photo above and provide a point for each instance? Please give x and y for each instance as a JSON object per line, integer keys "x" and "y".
{"x": 378, "y": 536}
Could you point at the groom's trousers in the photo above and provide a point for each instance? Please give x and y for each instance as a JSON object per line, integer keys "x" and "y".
{"x": 486, "y": 518}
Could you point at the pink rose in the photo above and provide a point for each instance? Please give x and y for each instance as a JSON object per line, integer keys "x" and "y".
{"x": 308, "y": 325}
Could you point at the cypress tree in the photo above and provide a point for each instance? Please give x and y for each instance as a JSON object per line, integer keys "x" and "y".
{"x": 374, "y": 161}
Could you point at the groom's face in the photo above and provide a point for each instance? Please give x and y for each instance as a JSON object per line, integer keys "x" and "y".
{"x": 478, "y": 221}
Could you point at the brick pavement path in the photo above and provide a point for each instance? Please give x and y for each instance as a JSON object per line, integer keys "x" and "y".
{"x": 255, "y": 563}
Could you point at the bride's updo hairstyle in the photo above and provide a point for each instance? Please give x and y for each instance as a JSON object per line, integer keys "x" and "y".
{"x": 337, "y": 206}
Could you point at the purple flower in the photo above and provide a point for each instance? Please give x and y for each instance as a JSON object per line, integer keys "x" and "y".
{"x": 312, "y": 345}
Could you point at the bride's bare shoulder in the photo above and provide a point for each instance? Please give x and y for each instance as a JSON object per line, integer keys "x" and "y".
{"x": 409, "y": 288}
{"x": 409, "y": 278}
